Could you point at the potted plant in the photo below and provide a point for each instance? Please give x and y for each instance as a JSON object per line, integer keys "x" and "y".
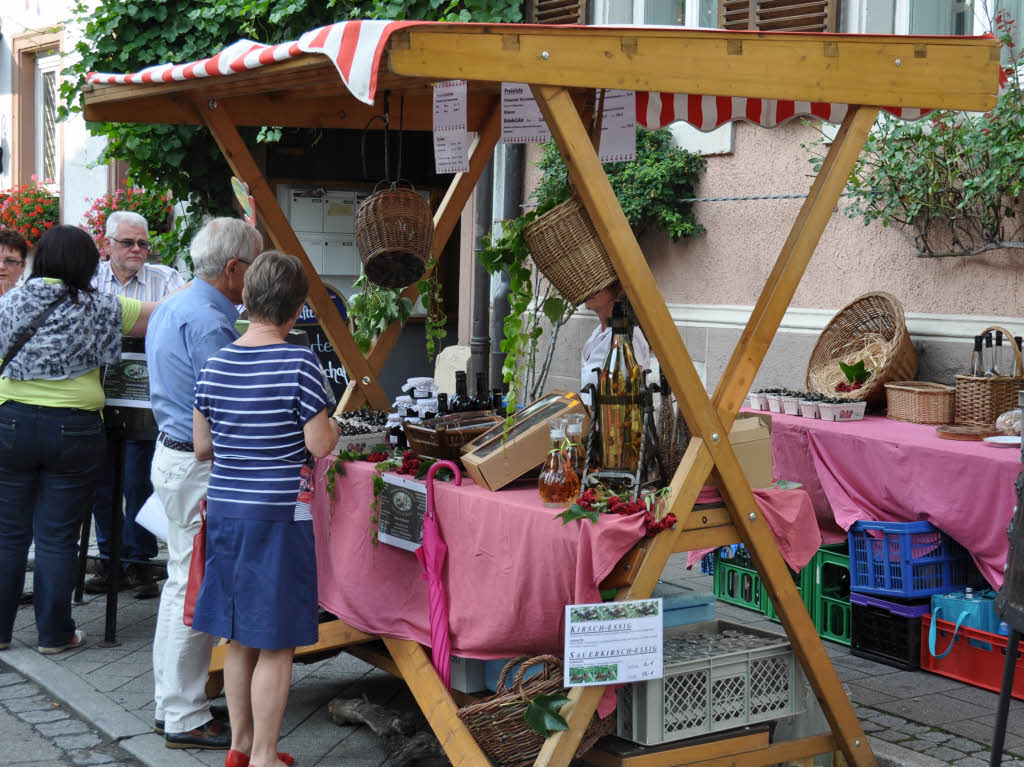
{"x": 154, "y": 205}
{"x": 30, "y": 209}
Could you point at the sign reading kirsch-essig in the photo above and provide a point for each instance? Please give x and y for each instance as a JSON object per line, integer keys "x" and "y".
{"x": 613, "y": 642}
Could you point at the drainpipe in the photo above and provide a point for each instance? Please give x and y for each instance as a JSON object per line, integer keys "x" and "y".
{"x": 479, "y": 341}
{"x": 512, "y": 208}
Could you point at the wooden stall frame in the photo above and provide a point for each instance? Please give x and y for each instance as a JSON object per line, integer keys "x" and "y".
{"x": 937, "y": 73}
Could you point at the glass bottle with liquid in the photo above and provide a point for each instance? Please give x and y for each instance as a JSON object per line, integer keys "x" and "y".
{"x": 559, "y": 484}
{"x": 977, "y": 358}
{"x": 619, "y": 388}
{"x": 574, "y": 433}
{"x": 997, "y": 359}
{"x": 481, "y": 400}
{"x": 989, "y": 355}
{"x": 458, "y": 401}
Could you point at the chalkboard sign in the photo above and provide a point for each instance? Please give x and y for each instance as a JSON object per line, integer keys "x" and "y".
{"x": 321, "y": 346}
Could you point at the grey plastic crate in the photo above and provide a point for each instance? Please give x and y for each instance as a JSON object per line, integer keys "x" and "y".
{"x": 711, "y": 682}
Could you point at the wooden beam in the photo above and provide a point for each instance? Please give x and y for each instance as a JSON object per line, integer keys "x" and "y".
{"x": 332, "y": 635}
{"x": 925, "y": 72}
{"x": 244, "y": 167}
{"x": 445, "y": 218}
{"x": 436, "y": 704}
{"x": 792, "y": 261}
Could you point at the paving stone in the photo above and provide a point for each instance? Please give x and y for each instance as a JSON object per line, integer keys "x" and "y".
{"x": 76, "y": 742}
{"x": 919, "y": 745}
{"x": 7, "y": 679}
{"x": 949, "y": 754}
{"x": 869, "y": 726}
{"x": 90, "y": 757}
{"x": 33, "y": 703}
{"x": 887, "y": 720}
{"x": 964, "y": 744}
{"x": 891, "y": 736}
{"x": 908, "y": 684}
{"x": 62, "y": 727}
{"x": 934, "y": 736}
{"x": 912, "y": 728}
{"x": 43, "y": 715}
{"x": 970, "y": 761}
{"x": 23, "y": 690}
{"x": 934, "y": 710}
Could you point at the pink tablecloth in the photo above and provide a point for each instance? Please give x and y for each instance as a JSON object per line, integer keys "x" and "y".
{"x": 512, "y": 567}
{"x": 900, "y": 472}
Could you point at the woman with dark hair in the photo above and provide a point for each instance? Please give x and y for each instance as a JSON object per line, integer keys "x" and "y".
{"x": 55, "y": 332}
{"x": 13, "y": 250}
{"x": 260, "y": 411}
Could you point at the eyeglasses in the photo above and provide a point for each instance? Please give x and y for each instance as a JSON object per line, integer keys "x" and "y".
{"x": 10, "y": 263}
{"x": 142, "y": 244}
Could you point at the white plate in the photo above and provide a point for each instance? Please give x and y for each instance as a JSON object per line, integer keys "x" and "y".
{"x": 1004, "y": 440}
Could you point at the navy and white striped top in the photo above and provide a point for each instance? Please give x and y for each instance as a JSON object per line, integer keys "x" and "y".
{"x": 257, "y": 399}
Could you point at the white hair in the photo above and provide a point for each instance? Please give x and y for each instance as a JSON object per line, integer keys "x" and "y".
{"x": 129, "y": 217}
{"x": 220, "y": 240}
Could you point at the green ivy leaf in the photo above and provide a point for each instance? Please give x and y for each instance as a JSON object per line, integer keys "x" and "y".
{"x": 542, "y": 714}
{"x": 855, "y": 373}
{"x": 577, "y": 512}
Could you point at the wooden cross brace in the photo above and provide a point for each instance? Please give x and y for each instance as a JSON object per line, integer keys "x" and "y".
{"x": 363, "y": 370}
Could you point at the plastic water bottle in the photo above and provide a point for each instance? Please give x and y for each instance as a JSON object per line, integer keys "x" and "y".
{"x": 1003, "y": 629}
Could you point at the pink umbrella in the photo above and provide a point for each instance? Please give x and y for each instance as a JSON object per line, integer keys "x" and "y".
{"x": 432, "y": 555}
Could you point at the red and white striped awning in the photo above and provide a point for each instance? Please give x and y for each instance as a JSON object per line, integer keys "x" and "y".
{"x": 355, "y": 48}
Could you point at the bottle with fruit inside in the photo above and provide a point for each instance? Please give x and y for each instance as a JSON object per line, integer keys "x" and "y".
{"x": 559, "y": 484}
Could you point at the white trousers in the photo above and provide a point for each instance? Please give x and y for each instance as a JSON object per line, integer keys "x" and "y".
{"x": 181, "y": 656}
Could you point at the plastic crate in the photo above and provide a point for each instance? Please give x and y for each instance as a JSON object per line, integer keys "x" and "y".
{"x": 831, "y": 568}
{"x": 804, "y": 581}
{"x": 887, "y": 632}
{"x": 907, "y": 560}
{"x": 707, "y": 564}
{"x": 976, "y": 657}
{"x": 738, "y": 585}
{"x": 721, "y": 690}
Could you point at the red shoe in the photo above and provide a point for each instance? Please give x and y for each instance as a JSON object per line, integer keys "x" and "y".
{"x": 238, "y": 759}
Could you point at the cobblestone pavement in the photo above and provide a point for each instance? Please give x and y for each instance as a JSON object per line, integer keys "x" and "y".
{"x": 38, "y": 729}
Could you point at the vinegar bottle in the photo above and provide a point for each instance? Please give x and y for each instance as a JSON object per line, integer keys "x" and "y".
{"x": 977, "y": 362}
{"x": 619, "y": 387}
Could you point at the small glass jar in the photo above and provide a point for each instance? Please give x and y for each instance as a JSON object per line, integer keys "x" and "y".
{"x": 559, "y": 485}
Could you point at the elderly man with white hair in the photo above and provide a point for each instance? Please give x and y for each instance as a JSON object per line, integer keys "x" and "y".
{"x": 184, "y": 331}
{"x": 128, "y": 274}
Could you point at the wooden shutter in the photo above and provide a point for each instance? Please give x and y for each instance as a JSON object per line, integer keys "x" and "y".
{"x": 556, "y": 11}
{"x": 779, "y": 15}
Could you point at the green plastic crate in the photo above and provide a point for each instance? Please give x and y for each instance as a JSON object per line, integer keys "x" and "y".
{"x": 804, "y": 581}
{"x": 833, "y": 613}
{"x": 738, "y": 585}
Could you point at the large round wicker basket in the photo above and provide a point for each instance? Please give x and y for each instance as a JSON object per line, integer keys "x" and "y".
{"x": 394, "y": 233}
{"x": 567, "y": 251}
{"x": 497, "y": 722}
{"x": 873, "y": 315}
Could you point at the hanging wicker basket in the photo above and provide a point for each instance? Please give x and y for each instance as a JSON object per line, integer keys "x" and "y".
{"x": 873, "y": 328}
{"x": 394, "y": 233}
{"x": 567, "y": 251}
{"x": 981, "y": 399}
{"x": 498, "y": 724}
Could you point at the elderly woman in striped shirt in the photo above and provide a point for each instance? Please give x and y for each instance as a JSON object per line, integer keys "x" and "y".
{"x": 260, "y": 411}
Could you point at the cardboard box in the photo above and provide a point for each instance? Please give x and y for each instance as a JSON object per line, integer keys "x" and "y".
{"x": 751, "y": 438}
{"x": 493, "y": 460}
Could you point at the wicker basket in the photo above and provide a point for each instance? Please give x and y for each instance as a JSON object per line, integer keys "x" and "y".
{"x": 497, "y": 722}
{"x": 920, "y": 402}
{"x": 443, "y": 437}
{"x": 980, "y": 400}
{"x": 567, "y": 251}
{"x": 878, "y": 314}
{"x": 394, "y": 234}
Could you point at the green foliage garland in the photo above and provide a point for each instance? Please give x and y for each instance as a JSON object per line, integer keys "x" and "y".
{"x": 373, "y": 308}
{"x": 952, "y": 184}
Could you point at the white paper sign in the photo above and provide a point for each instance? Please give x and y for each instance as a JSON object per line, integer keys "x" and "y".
{"x": 613, "y": 642}
{"x": 618, "y": 127}
{"x": 521, "y": 120}
{"x": 451, "y": 146}
{"x": 126, "y": 382}
{"x": 403, "y": 502}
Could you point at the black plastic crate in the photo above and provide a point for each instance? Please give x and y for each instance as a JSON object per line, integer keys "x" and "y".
{"x": 887, "y": 632}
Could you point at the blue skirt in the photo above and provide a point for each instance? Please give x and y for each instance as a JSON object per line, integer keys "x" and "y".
{"x": 260, "y": 583}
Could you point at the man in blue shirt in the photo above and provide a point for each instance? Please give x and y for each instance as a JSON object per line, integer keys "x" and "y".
{"x": 183, "y": 333}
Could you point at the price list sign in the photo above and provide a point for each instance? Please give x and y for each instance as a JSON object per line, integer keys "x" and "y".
{"x": 451, "y": 147}
{"x": 521, "y": 120}
{"x": 613, "y": 643}
{"x": 618, "y": 127}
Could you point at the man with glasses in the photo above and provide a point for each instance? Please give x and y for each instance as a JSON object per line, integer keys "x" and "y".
{"x": 13, "y": 249}
{"x": 127, "y": 273}
{"x": 183, "y": 333}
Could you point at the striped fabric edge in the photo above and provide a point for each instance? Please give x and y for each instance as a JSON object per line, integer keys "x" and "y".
{"x": 355, "y": 49}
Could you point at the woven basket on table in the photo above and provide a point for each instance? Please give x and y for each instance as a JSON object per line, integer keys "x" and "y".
{"x": 920, "y": 402}
{"x": 394, "y": 234}
{"x": 498, "y": 724}
{"x": 567, "y": 251}
{"x": 980, "y": 400}
{"x": 878, "y": 314}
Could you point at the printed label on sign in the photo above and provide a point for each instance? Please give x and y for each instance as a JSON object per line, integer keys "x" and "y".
{"x": 613, "y": 642}
{"x": 521, "y": 118}
{"x": 451, "y": 145}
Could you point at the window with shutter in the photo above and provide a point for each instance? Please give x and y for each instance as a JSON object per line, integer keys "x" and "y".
{"x": 779, "y": 15}
{"x": 556, "y": 11}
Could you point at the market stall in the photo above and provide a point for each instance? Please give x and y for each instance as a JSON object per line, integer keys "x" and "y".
{"x": 790, "y": 73}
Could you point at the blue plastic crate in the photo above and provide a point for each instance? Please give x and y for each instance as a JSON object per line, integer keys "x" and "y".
{"x": 707, "y": 564}
{"x": 907, "y": 560}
